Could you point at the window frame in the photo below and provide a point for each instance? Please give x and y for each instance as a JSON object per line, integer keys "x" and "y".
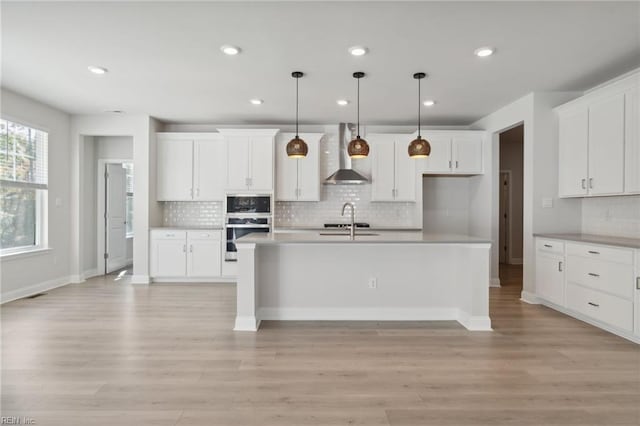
{"x": 41, "y": 208}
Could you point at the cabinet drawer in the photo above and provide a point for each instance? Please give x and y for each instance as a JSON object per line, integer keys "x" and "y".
{"x": 602, "y": 307}
{"x": 618, "y": 255}
{"x": 614, "y": 278}
{"x": 204, "y": 235}
{"x": 168, "y": 234}
{"x": 550, "y": 246}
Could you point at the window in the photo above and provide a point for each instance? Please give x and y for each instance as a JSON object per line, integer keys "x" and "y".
{"x": 23, "y": 190}
{"x": 128, "y": 167}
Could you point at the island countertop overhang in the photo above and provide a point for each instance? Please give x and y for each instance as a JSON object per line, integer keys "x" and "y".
{"x": 380, "y": 237}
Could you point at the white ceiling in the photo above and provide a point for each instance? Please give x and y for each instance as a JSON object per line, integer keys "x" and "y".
{"x": 164, "y": 58}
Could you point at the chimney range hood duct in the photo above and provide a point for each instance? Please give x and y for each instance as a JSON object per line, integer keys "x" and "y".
{"x": 345, "y": 175}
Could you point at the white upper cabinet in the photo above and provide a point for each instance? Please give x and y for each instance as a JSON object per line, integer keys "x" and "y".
{"x": 599, "y": 150}
{"x": 606, "y": 146}
{"x": 573, "y": 148}
{"x": 249, "y": 159}
{"x": 393, "y": 173}
{"x": 191, "y": 166}
{"x": 632, "y": 141}
{"x": 454, "y": 152}
{"x": 298, "y": 179}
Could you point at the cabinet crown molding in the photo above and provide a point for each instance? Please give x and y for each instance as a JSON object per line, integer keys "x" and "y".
{"x": 249, "y": 132}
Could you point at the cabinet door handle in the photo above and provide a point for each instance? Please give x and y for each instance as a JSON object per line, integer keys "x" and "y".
{"x": 584, "y": 184}
{"x": 559, "y": 266}
{"x": 591, "y": 183}
{"x": 456, "y": 164}
{"x": 548, "y": 245}
{"x": 591, "y": 274}
{"x": 191, "y": 248}
{"x": 594, "y": 304}
{"x": 593, "y": 252}
{"x": 638, "y": 283}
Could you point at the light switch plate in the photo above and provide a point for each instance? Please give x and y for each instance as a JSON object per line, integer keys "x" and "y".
{"x": 58, "y": 201}
{"x": 547, "y": 203}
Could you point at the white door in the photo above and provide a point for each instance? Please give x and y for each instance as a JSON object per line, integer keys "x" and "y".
{"x": 550, "y": 278}
{"x": 237, "y": 162}
{"x": 209, "y": 169}
{"x": 632, "y": 142}
{"x": 606, "y": 146}
{"x": 439, "y": 160}
{"x": 382, "y": 169}
{"x": 286, "y": 171}
{"x": 466, "y": 154}
{"x": 175, "y": 169}
{"x": 405, "y": 173}
{"x": 309, "y": 170}
{"x": 115, "y": 215}
{"x": 573, "y": 153}
{"x": 261, "y": 163}
{"x": 503, "y": 233}
{"x": 204, "y": 258}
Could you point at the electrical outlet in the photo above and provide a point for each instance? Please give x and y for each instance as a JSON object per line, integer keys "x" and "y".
{"x": 373, "y": 283}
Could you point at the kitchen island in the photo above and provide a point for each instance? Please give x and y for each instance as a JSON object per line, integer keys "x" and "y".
{"x": 378, "y": 276}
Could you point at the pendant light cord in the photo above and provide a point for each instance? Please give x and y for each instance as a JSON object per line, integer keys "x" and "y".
{"x": 419, "y": 108}
{"x": 358, "y": 109}
{"x": 297, "y": 80}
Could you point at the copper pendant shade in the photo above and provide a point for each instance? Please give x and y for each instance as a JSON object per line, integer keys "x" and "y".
{"x": 358, "y": 148}
{"x": 297, "y": 148}
{"x": 419, "y": 148}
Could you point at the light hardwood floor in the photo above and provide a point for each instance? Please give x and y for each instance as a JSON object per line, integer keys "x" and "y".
{"x": 108, "y": 353}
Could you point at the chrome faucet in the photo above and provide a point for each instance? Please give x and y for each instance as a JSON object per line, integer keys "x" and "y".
{"x": 352, "y": 228}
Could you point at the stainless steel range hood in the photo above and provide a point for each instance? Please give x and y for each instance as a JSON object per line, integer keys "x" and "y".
{"x": 345, "y": 175}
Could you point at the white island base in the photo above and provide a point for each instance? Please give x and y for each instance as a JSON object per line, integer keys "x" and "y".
{"x": 388, "y": 277}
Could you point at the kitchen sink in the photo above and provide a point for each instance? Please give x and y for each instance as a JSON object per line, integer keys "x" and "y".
{"x": 346, "y": 234}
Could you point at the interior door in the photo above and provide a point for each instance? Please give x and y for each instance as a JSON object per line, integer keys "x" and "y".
{"x": 115, "y": 215}
{"x": 504, "y": 217}
{"x": 209, "y": 170}
{"x": 606, "y": 146}
{"x": 405, "y": 173}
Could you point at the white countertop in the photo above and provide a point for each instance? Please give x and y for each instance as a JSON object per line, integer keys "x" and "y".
{"x": 595, "y": 239}
{"x": 187, "y": 228}
{"x": 378, "y": 237}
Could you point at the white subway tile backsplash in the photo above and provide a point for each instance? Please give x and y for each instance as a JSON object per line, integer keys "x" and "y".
{"x": 613, "y": 216}
{"x": 193, "y": 213}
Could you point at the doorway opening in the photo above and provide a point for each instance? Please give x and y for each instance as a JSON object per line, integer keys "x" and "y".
{"x": 511, "y": 191}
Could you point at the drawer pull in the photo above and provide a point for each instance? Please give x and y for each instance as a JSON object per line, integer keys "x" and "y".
{"x": 548, "y": 245}
{"x": 559, "y": 266}
{"x": 593, "y": 252}
{"x": 591, "y": 274}
{"x": 594, "y": 304}
{"x": 638, "y": 283}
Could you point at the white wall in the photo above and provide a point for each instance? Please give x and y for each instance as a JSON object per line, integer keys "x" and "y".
{"x": 21, "y": 276}
{"x": 147, "y": 212}
{"x": 535, "y": 111}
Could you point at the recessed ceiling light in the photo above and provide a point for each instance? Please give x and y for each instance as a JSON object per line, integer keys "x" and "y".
{"x": 483, "y": 52}
{"x": 97, "y": 70}
{"x": 358, "y": 50}
{"x": 230, "y": 50}
{"x": 342, "y": 102}
{"x": 256, "y": 101}
{"x": 429, "y": 103}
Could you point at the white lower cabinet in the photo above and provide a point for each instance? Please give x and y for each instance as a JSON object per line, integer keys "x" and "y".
{"x": 186, "y": 254}
{"x": 596, "y": 283}
{"x": 550, "y": 275}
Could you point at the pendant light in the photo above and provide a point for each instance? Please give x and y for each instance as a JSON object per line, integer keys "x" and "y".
{"x": 358, "y": 148}
{"x": 419, "y": 148}
{"x": 297, "y": 148}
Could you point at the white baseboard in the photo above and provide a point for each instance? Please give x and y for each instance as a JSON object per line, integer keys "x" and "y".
{"x": 515, "y": 261}
{"x": 529, "y": 298}
{"x": 358, "y": 314}
{"x": 76, "y": 279}
{"x": 494, "y": 282}
{"x": 140, "y": 279}
{"x": 191, "y": 280}
{"x": 246, "y": 323}
{"x": 34, "y": 289}
{"x": 474, "y": 323}
{"x": 90, "y": 273}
